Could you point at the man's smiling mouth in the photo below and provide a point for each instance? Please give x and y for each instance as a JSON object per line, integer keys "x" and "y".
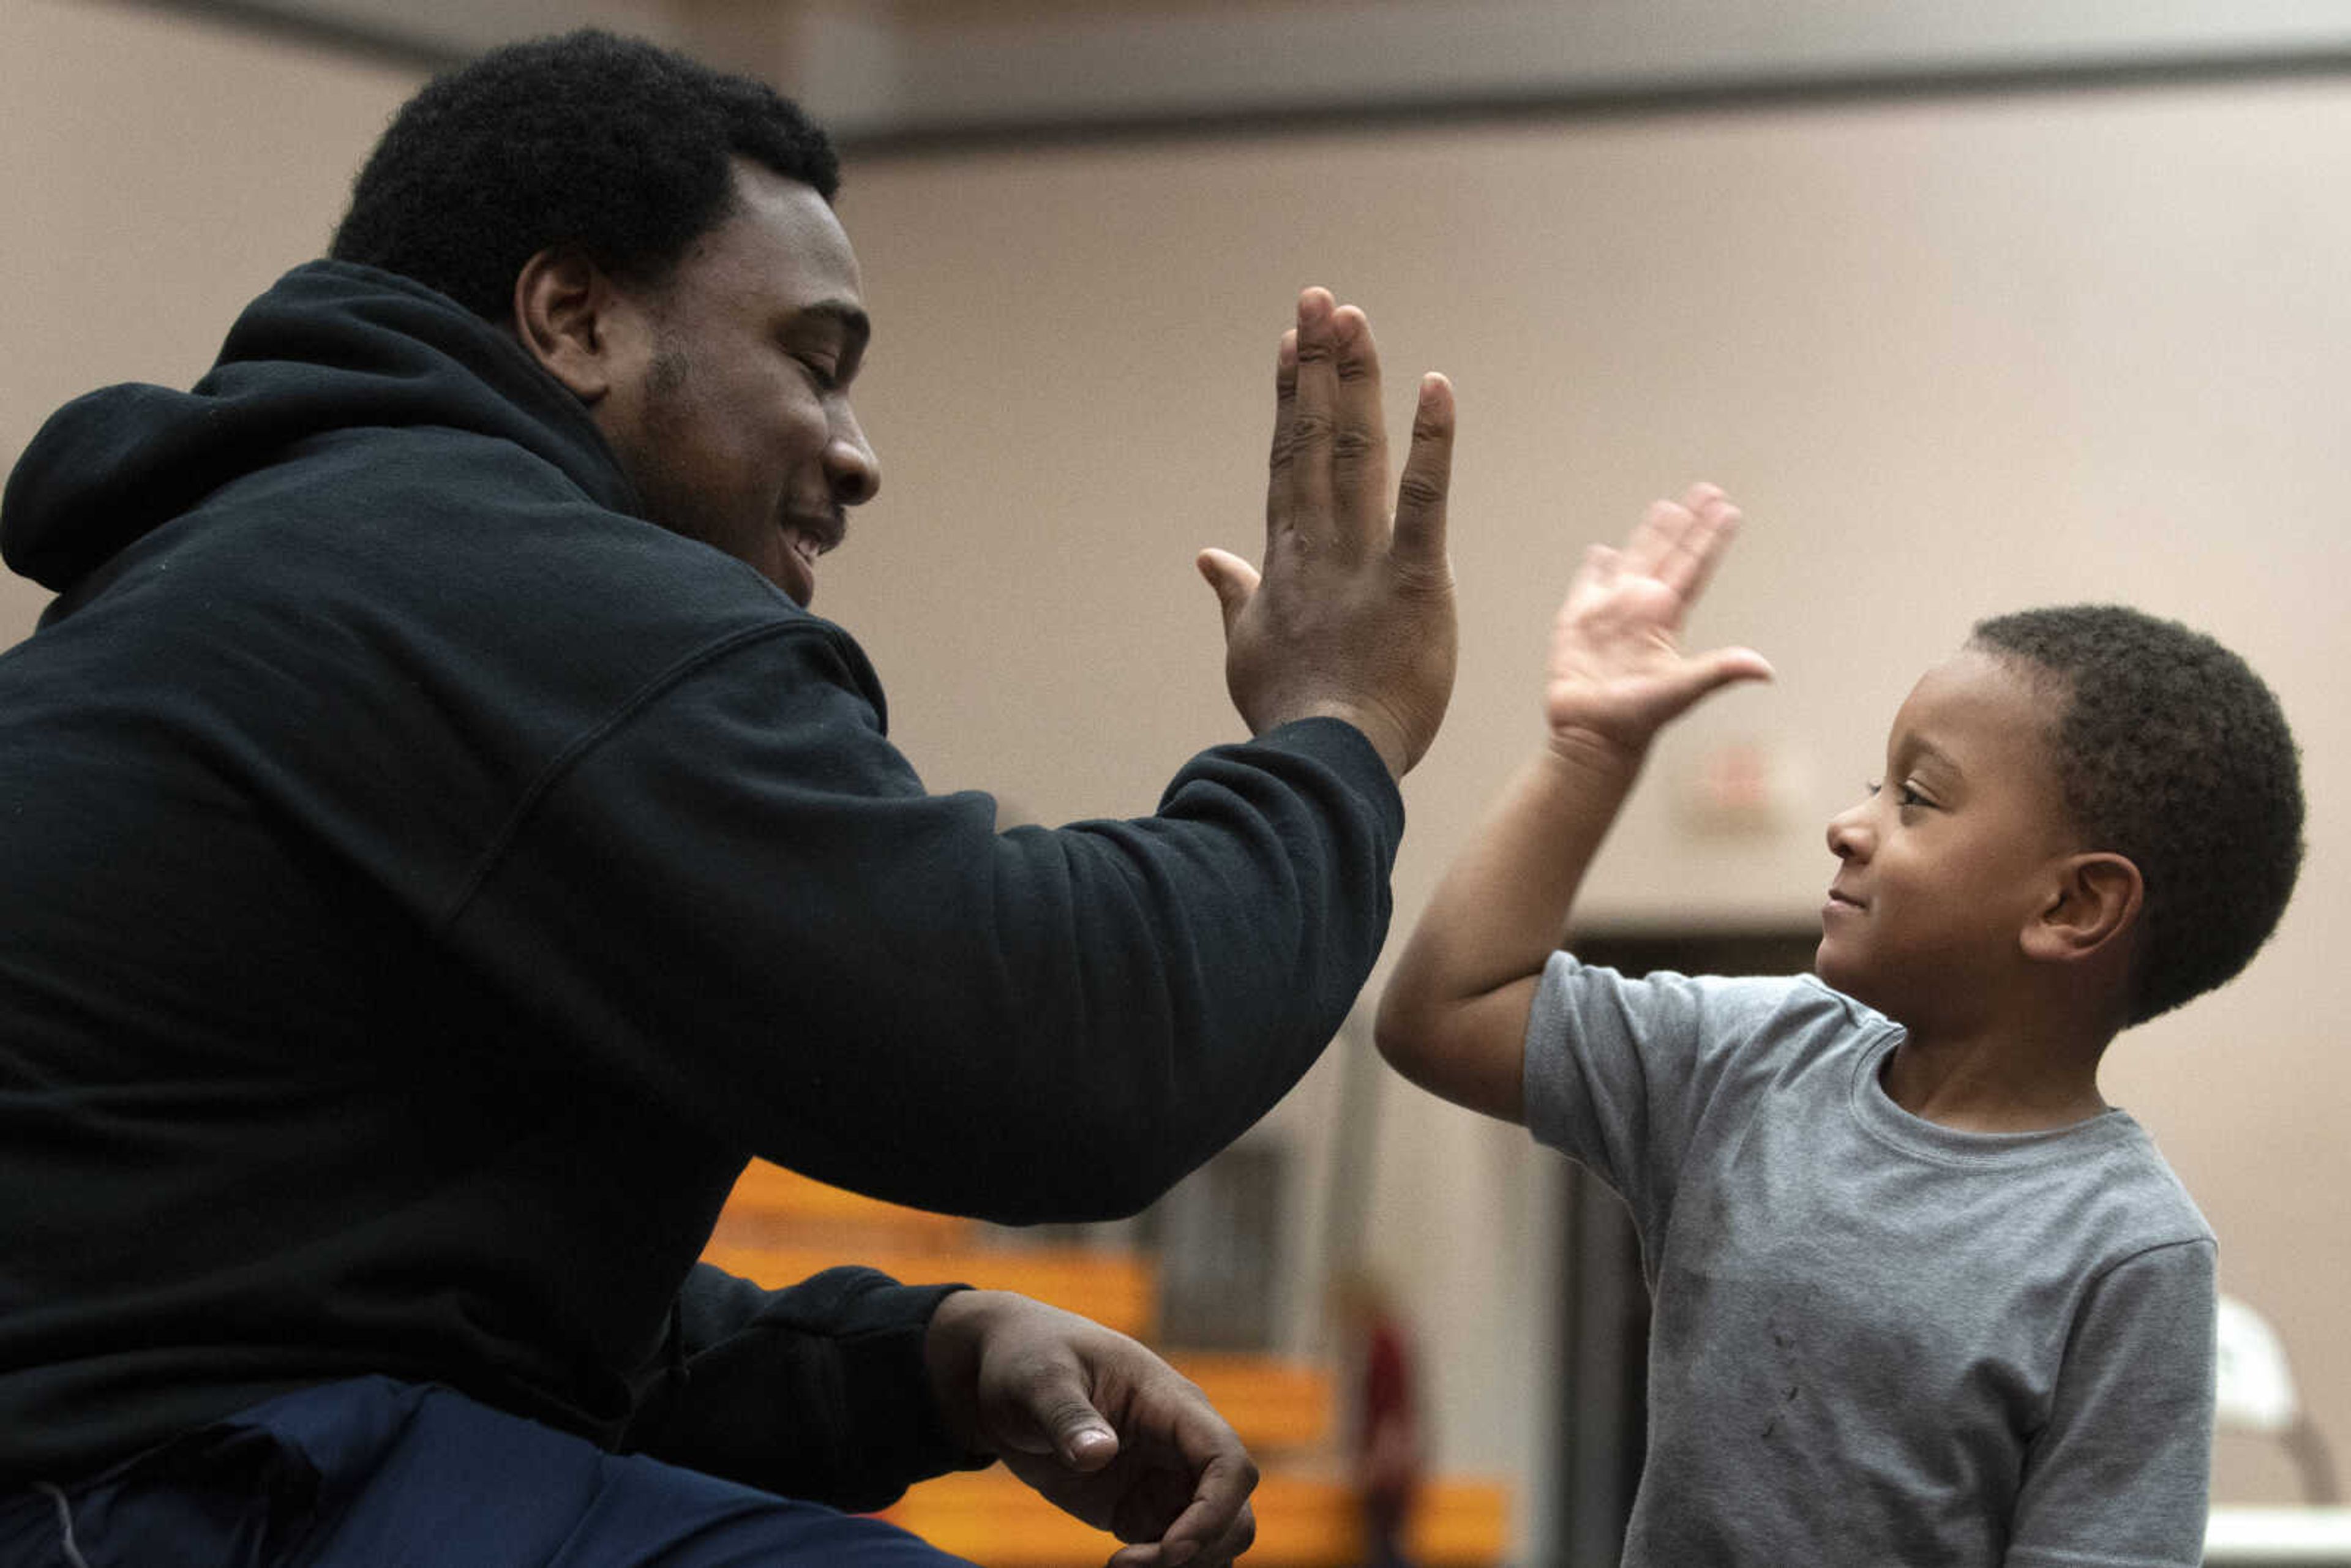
{"x": 812, "y": 536}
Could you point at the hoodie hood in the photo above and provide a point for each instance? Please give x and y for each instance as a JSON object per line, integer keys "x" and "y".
{"x": 332, "y": 346}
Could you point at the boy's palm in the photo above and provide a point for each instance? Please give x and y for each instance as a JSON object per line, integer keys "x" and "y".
{"x": 1617, "y": 671}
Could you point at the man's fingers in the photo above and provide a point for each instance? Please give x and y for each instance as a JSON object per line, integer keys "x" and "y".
{"x": 1427, "y": 476}
{"x": 1081, "y": 1438}
{"x": 1285, "y": 416}
{"x": 1238, "y": 1536}
{"x": 1234, "y": 580}
{"x": 1354, "y": 624}
{"x": 1359, "y": 442}
{"x": 1304, "y": 492}
{"x": 1218, "y": 1522}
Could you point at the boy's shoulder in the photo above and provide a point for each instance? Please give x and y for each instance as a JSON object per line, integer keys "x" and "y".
{"x": 1722, "y": 1034}
{"x": 1799, "y": 1006}
{"x": 2131, "y": 1192}
{"x": 1775, "y": 1032}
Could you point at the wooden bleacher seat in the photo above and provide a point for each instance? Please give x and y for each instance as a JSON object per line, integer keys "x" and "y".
{"x": 771, "y": 1204}
{"x": 1304, "y": 1521}
{"x": 778, "y": 1228}
{"x": 1277, "y": 1406}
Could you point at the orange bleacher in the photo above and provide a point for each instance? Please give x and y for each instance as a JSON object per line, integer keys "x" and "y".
{"x": 779, "y": 1228}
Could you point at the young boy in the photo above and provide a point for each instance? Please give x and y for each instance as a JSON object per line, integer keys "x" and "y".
{"x": 1921, "y": 1296}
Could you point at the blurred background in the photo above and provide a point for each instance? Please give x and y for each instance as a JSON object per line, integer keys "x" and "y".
{"x": 1971, "y": 308}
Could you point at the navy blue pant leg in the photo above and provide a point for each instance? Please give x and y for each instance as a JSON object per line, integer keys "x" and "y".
{"x": 376, "y": 1474}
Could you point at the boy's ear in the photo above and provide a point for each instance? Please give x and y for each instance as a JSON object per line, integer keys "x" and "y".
{"x": 2096, "y": 901}
{"x": 565, "y": 311}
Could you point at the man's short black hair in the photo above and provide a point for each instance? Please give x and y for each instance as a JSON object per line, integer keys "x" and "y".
{"x": 614, "y": 145}
{"x": 2172, "y": 753}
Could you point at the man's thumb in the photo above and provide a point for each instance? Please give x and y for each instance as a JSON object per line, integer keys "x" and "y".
{"x": 1234, "y": 580}
{"x": 1080, "y": 1435}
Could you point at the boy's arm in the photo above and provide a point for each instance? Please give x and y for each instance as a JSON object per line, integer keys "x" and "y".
{"x": 2122, "y": 1472}
{"x": 1454, "y": 1016}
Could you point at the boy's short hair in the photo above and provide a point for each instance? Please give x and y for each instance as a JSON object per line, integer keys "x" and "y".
{"x": 2172, "y": 753}
{"x": 615, "y": 146}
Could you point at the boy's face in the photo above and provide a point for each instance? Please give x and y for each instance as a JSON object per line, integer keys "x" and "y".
{"x": 1952, "y": 854}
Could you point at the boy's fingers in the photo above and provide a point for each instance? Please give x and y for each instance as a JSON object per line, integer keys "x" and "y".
{"x": 1602, "y": 565}
{"x": 1652, "y": 542}
{"x": 1701, "y": 544}
{"x": 1420, "y": 518}
{"x": 1723, "y": 667}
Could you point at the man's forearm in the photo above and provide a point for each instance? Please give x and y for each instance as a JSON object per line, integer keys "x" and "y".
{"x": 817, "y": 1391}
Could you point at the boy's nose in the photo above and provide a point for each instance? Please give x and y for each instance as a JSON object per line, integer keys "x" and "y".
{"x": 1848, "y": 838}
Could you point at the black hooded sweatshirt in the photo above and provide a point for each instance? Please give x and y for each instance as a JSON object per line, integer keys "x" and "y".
{"x": 427, "y": 882}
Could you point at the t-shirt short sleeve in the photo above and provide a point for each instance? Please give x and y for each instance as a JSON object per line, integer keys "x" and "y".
{"x": 1619, "y": 1069}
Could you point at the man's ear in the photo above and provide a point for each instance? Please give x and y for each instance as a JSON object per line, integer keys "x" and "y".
{"x": 2096, "y": 901}
{"x": 565, "y": 312}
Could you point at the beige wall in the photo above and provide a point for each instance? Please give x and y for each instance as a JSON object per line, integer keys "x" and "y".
{"x": 155, "y": 175}
{"x": 1954, "y": 356}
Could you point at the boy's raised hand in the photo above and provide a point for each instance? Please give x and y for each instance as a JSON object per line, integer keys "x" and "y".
{"x": 1617, "y": 672}
{"x": 1454, "y": 1019}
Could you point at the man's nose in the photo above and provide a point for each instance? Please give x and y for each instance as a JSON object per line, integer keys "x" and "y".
{"x": 849, "y": 464}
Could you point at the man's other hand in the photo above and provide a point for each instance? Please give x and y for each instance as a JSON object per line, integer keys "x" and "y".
{"x": 1353, "y": 617}
{"x": 1103, "y": 1428}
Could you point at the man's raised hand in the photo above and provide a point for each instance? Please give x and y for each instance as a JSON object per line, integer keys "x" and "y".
{"x": 1353, "y": 617}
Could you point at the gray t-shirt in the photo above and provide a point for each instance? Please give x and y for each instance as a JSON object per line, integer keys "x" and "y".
{"x": 1877, "y": 1340}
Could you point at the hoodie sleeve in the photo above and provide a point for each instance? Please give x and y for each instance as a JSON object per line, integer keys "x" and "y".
{"x": 739, "y": 898}
{"x": 819, "y": 1391}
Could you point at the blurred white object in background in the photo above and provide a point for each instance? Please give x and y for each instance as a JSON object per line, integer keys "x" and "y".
{"x": 2254, "y": 1388}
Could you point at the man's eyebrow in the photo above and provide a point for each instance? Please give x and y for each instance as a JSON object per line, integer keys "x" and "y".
{"x": 852, "y": 320}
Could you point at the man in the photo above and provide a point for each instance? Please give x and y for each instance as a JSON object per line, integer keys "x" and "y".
{"x": 442, "y": 848}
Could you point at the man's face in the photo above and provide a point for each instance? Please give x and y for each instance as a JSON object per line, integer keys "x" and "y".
{"x": 732, "y": 415}
{"x": 1952, "y": 854}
